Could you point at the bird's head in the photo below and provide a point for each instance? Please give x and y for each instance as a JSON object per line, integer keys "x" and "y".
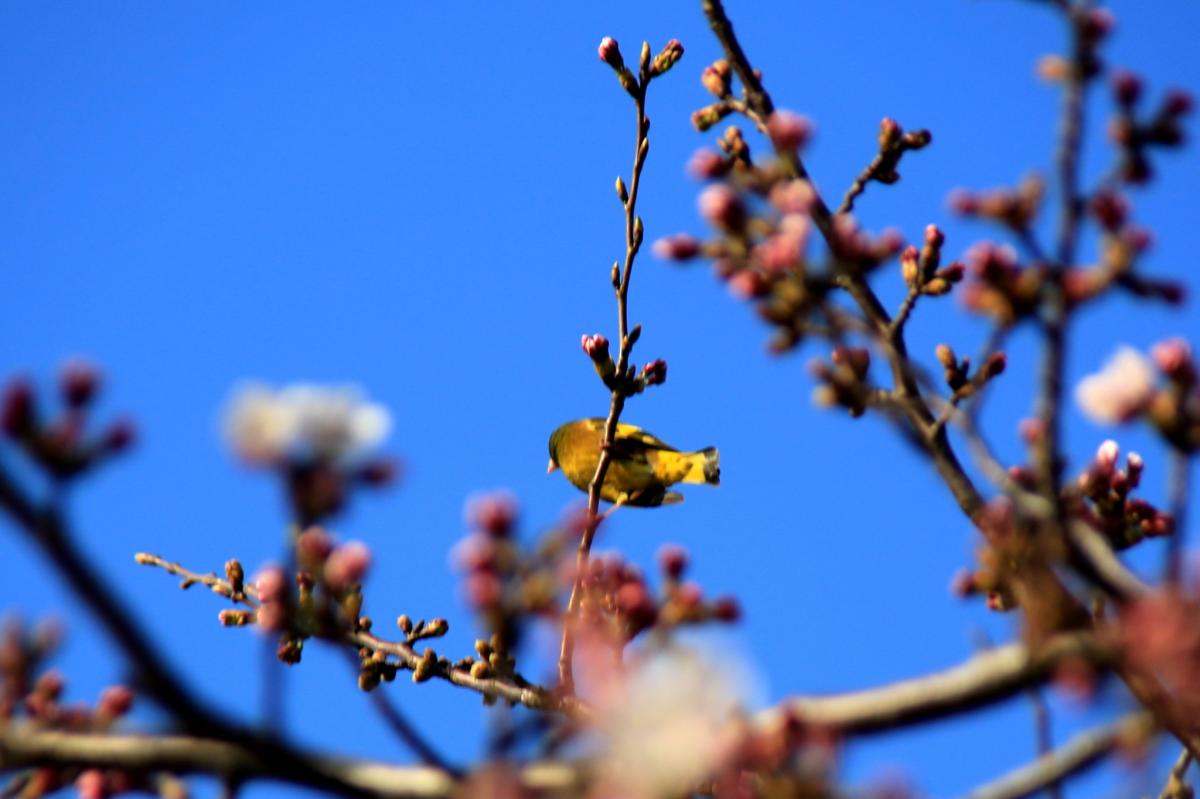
{"x": 556, "y": 439}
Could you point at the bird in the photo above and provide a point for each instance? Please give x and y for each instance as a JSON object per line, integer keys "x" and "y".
{"x": 641, "y": 469}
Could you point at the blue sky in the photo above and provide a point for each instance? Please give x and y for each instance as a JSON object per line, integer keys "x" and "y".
{"x": 417, "y": 198}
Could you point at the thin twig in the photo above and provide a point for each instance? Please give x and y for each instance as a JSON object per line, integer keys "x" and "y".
{"x": 1176, "y": 786}
{"x": 633, "y": 239}
{"x": 1082, "y": 751}
{"x": 1177, "y": 502}
{"x": 520, "y": 691}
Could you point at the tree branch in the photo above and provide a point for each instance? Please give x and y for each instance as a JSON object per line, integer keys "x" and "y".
{"x": 23, "y": 746}
{"x": 988, "y": 677}
{"x": 1081, "y": 752}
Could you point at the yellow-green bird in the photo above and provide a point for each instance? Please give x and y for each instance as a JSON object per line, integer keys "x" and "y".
{"x": 641, "y": 469}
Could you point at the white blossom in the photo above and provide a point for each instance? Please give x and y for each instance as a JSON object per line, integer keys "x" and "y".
{"x": 1120, "y": 390}
{"x": 667, "y": 726}
{"x": 303, "y": 421}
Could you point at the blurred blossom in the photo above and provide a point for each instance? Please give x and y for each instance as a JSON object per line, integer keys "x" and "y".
{"x": 667, "y": 724}
{"x": 305, "y": 422}
{"x": 1120, "y": 390}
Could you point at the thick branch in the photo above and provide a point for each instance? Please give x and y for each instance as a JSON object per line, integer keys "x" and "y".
{"x": 984, "y": 679}
{"x": 22, "y": 746}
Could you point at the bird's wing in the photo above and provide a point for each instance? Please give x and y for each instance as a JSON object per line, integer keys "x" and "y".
{"x": 636, "y": 443}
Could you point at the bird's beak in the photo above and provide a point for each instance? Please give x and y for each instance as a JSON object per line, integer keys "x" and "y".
{"x": 551, "y": 466}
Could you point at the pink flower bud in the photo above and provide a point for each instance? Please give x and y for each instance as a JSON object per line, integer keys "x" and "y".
{"x": 610, "y": 53}
{"x": 655, "y": 373}
{"x": 963, "y": 202}
{"x": 715, "y": 78}
{"x": 706, "y": 163}
{"x": 747, "y": 284}
{"x": 16, "y": 408}
{"x": 90, "y": 784}
{"x": 271, "y": 584}
{"x": 963, "y": 584}
{"x": 934, "y": 236}
{"x": 788, "y": 131}
{"x": 378, "y": 473}
{"x": 494, "y": 514}
{"x": 119, "y": 436}
{"x": 680, "y": 247}
{"x": 1178, "y": 102}
{"x": 1106, "y": 456}
{"x": 115, "y": 701}
{"x": 673, "y": 559}
{"x": 347, "y": 565}
{"x": 1099, "y": 22}
{"x": 313, "y": 546}
{"x": 596, "y": 346}
{"x": 722, "y": 207}
{"x": 727, "y": 609}
{"x": 689, "y": 595}
{"x": 1173, "y": 358}
{"x": 484, "y": 590}
{"x": 78, "y": 383}
{"x": 792, "y": 197}
{"x": 1127, "y": 87}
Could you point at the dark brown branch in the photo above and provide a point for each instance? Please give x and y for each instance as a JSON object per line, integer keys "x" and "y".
{"x": 45, "y": 528}
{"x": 890, "y": 337}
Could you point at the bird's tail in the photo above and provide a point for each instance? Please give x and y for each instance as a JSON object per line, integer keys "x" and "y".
{"x": 704, "y": 467}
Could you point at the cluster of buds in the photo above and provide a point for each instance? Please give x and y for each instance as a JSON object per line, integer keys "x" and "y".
{"x": 1135, "y": 136}
{"x": 1018, "y": 568}
{"x": 33, "y": 694}
{"x": 375, "y": 666}
{"x": 1124, "y": 520}
{"x": 855, "y": 249}
{"x": 717, "y": 78}
{"x": 62, "y": 446}
{"x": 957, "y": 371}
{"x": 999, "y": 286}
{"x": 649, "y": 68}
{"x": 1121, "y": 244}
{"x": 1015, "y": 209}
{"x": 920, "y": 267}
{"x": 323, "y": 598}
{"x": 504, "y": 583}
{"x": 618, "y": 603}
{"x": 843, "y": 380}
{"x": 1092, "y": 26}
{"x": 759, "y": 215}
{"x": 632, "y": 382}
{"x": 493, "y": 660}
{"x": 1175, "y": 408}
{"x": 999, "y": 558}
{"x": 894, "y": 142}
